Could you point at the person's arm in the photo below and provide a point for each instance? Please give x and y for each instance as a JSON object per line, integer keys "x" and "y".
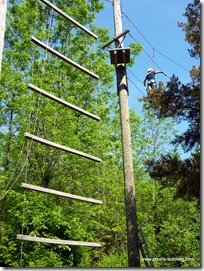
{"x": 145, "y": 81}
{"x": 160, "y": 72}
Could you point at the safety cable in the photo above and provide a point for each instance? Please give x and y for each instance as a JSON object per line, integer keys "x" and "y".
{"x": 135, "y": 76}
{"x": 135, "y": 86}
{"x": 154, "y": 50}
{"x": 171, "y": 60}
{"x": 148, "y": 54}
{"x": 152, "y": 45}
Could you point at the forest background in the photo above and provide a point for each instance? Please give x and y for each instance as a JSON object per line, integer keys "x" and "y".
{"x": 167, "y": 187}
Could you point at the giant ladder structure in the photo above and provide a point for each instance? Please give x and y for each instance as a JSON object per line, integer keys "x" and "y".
{"x": 61, "y": 147}
{"x": 117, "y": 55}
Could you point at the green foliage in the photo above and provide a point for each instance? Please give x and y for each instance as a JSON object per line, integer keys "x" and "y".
{"x": 135, "y": 49}
{"x": 185, "y": 175}
{"x": 179, "y": 226}
{"x": 48, "y": 216}
{"x": 114, "y": 260}
{"x": 36, "y": 214}
{"x": 192, "y": 27}
{"x": 172, "y": 220}
{"x": 170, "y": 225}
{"x": 181, "y": 102}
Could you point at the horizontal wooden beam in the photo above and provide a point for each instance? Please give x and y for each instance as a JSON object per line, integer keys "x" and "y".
{"x": 55, "y": 98}
{"x": 59, "y": 193}
{"x": 54, "y": 52}
{"x": 56, "y": 241}
{"x": 115, "y": 38}
{"x": 61, "y": 147}
{"x": 69, "y": 18}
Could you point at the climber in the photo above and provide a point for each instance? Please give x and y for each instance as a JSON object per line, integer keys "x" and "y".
{"x": 150, "y": 78}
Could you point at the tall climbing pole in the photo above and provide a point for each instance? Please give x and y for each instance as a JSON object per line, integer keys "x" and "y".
{"x": 130, "y": 200}
{"x": 2, "y": 27}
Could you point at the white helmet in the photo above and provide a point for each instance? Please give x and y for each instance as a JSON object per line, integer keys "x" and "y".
{"x": 150, "y": 70}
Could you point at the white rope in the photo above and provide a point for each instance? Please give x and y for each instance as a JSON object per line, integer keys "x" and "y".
{"x": 6, "y": 189}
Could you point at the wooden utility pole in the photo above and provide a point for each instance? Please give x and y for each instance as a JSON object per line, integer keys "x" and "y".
{"x": 2, "y": 27}
{"x": 130, "y": 201}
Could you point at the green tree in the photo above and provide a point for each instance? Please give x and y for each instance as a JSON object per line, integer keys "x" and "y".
{"x": 182, "y": 102}
{"x": 192, "y": 27}
{"x": 177, "y": 180}
{"x": 48, "y": 216}
{"x": 23, "y": 111}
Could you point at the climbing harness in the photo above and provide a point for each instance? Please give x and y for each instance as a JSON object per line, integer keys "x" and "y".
{"x": 151, "y": 84}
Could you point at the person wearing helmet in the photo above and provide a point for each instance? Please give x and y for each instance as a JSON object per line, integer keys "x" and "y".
{"x": 150, "y": 78}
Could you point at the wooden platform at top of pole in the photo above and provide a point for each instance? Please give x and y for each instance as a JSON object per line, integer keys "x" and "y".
{"x": 69, "y": 18}
{"x": 54, "y": 52}
{"x": 61, "y": 147}
{"x": 120, "y": 55}
{"x": 56, "y": 241}
{"x": 59, "y": 193}
{"x": 63, "y": 102}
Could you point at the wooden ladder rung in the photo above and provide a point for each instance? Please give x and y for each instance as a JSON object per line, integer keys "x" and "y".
{"x": 59, "y": 193}
{"x": 61, "y": 147}
{"x": 69, "y": 18}
{"x": 55, "y": 98}
{"x": 56, "y": 241}
{"x": 54, "y": 52}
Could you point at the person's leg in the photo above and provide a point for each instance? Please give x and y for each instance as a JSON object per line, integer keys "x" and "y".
{"x": 149, "y": 88}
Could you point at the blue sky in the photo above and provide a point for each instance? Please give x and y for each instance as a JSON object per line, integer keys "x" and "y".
{"x": 157, "y": 21}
